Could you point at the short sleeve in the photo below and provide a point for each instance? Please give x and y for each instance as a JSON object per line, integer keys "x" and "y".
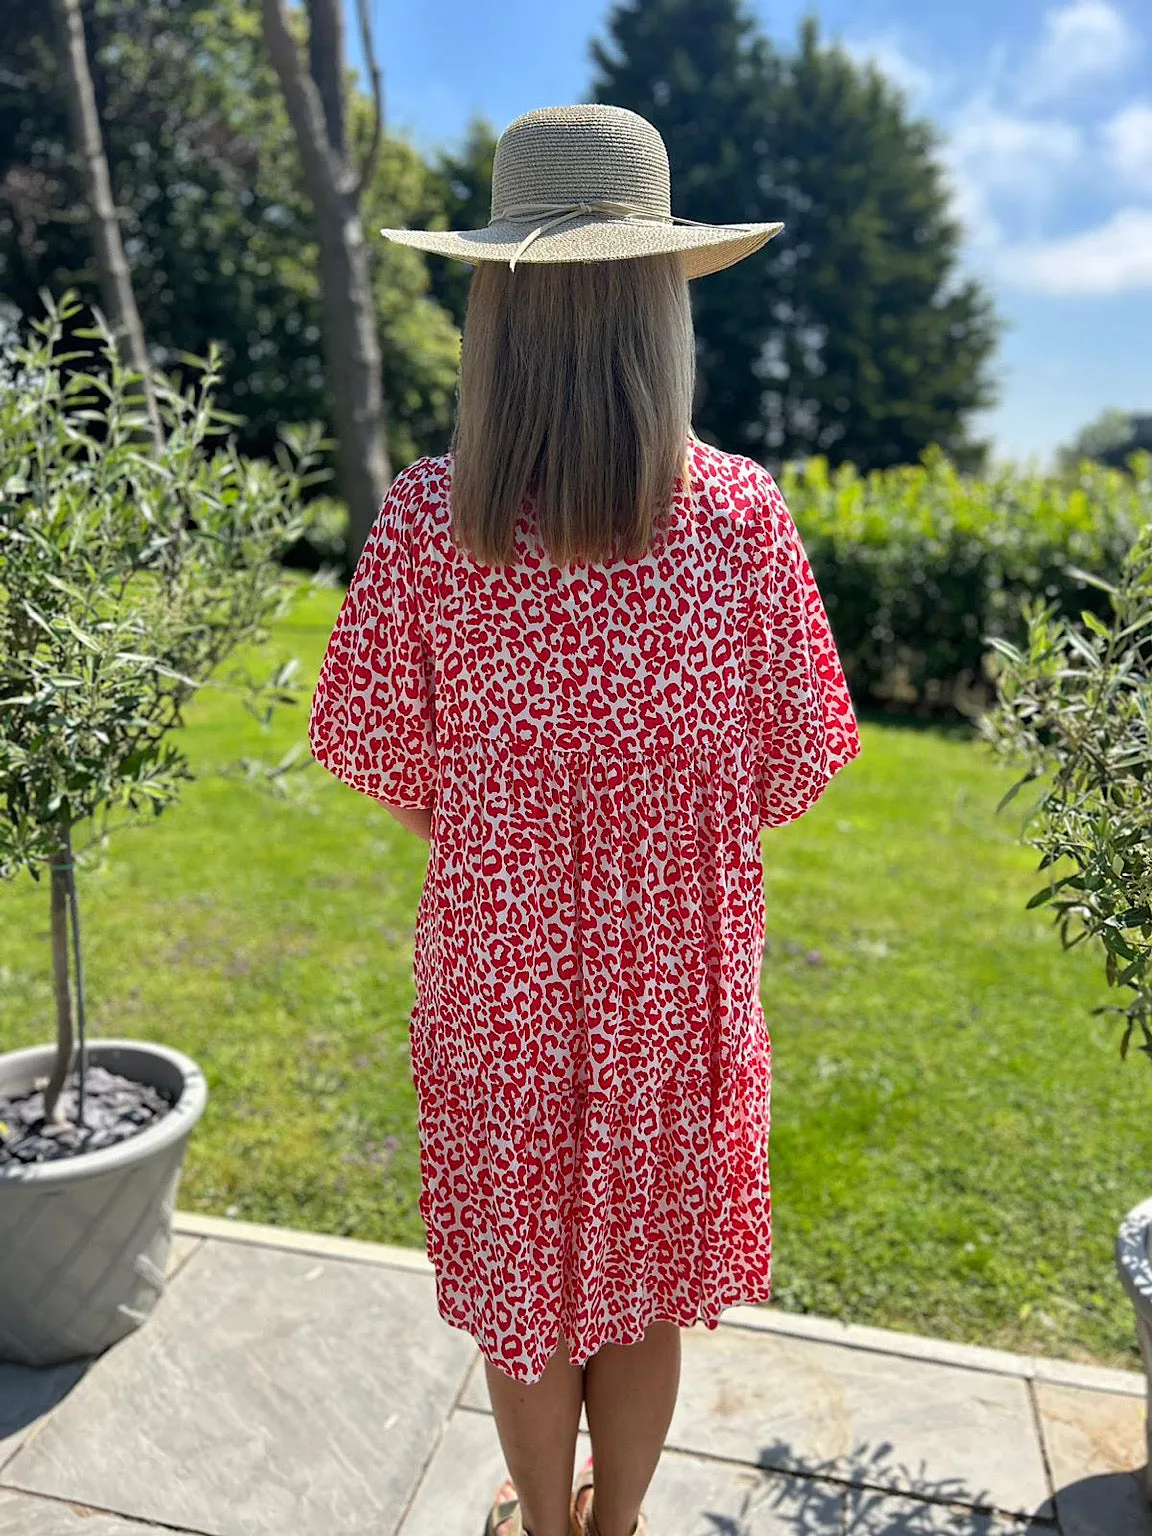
{"x": 372, "y": 720}
{"x": 801, "y": 712}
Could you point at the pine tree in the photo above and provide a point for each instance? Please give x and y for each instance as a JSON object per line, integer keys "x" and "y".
{"x": 851, "y": 333}
{"x": 699, "y": 71}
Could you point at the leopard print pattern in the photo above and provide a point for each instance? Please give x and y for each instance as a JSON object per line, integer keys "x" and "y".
{"x": 601, "y": 745}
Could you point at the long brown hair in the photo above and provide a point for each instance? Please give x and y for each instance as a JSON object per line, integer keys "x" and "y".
{"x": 576, "y": 384}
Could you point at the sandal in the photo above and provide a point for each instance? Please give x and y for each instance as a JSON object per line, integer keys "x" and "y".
{"x": 581, "y": 1521}
{"x": 505, "y": 1506}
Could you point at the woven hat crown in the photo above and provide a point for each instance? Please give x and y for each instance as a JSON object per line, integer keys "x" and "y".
{"x": 589, "y": 153}
{"x": 587, "y": 183}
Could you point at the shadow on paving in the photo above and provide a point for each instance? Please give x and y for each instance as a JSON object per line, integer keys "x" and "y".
{"x": 873, "y": 1493}
{"x": 27, "y": 1393}
{"x": 871, "y": 1490}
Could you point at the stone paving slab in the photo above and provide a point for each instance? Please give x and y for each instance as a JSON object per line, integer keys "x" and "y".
{"x": 1095, "y": 1448}
{"x": 898, "y": 1424}
{"x": 27, "y": 1395}
{"x": 918, "y": 1346}
{"x": 269, "y": 1392}
{"x": 23, "y": 1514}
{"x": 901, "y": 1425}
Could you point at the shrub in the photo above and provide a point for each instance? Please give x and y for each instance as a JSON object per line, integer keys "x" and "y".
{"x": 127, "y": 578}
{"x": 1074, "y": 706}
{"x": 918, "y": 565}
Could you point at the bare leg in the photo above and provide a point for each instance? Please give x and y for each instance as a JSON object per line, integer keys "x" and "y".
{"x": 630, "y": 1396}
{"x": 538, "y": 1426}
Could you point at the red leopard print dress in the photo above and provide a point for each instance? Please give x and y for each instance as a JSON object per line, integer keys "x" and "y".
{"x": 602, "y": 744}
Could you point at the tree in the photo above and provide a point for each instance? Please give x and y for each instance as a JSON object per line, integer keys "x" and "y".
{"x": 111, "y": 263}
{"x": 700, "y": 72}
{"x": 1111, "y": 439}
{"x": 459, "y": 197}
{"x": 851, "y": 333}
{"x": 111, "y": 621}
{"x": 215, "y": 215}
{"x": 315, "y": 98}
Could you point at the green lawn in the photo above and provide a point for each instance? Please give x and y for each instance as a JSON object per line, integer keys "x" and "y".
{"x": 954, "y": 1137}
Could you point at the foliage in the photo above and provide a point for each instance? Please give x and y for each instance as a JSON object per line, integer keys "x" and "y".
{"x": 216, "y": 224}
{"x": 1112, "y": 438}
{"x": 323, "y": 543}
{"x": 460, "y": 197}
{"x": 419, "y": 339}
{"x": 1074, "y": 707}
{"x": 919, "y": 564}
{"x": 126, "y": 581}
{"x": 851, "y": 334}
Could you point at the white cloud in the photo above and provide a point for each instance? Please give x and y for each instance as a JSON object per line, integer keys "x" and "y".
{"x": 997, "y": 158}
{"x": 1088, "y": 40}
{"x": 1014, "y": 153}
{"x": 1128, "y": 139}
{"x": 891, "y": 58}
{"x": 1115, "y": 257}
{"x": 1025, "y": 142}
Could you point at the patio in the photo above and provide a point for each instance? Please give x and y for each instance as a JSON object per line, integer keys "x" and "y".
{"x": 289, "y": 1382}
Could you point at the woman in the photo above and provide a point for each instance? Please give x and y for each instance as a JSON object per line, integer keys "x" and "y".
{"x": 584, "y": 656}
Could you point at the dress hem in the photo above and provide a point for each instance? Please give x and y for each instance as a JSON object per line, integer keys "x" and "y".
{"x": 709, "y": 1317}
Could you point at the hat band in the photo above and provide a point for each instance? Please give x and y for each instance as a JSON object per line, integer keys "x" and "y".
{"x": 562, "y": 212}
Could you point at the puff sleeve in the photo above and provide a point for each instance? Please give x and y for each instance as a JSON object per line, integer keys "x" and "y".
{"x": 372, "y": 720}
{"x": 800, "y": 709}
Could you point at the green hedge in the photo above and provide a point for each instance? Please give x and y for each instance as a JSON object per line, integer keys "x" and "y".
{"x": 917, "y": 564}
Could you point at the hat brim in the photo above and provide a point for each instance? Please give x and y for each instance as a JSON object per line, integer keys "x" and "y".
{"x": 702, "y": 248}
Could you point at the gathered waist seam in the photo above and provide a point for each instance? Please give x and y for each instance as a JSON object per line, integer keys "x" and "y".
{"x": 620, "y": 749}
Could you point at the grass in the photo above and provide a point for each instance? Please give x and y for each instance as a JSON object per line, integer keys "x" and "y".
{"x": 954, "y": 1137}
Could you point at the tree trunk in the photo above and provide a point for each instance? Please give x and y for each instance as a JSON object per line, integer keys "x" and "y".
{"x": 60, "y": 978}
{"x": 353, "y": 357}
{"x": 351, "y": 347}
{"x": 111, "y": 264}
{"x": 326, "y": 62}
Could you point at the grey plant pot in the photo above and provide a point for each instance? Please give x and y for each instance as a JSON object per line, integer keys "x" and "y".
{"x": 1134, "y": 1261}
{"x": 85, "y": 1239}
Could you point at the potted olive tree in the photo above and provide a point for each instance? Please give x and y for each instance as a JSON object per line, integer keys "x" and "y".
{"x": 127, "y": 577}
{"x": 1076, "y": 707}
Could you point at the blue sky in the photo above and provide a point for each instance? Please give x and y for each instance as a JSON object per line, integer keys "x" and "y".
{"x": 1046, "y": 111}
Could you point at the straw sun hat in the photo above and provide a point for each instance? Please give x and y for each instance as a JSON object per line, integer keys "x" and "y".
{"x": 587, "y": 183}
